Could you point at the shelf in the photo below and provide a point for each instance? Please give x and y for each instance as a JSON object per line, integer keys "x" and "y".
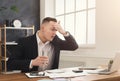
{"x": 18, "y": 28}
{"x": 3, "y": 59}
{"x": 4, "y": 44}
{"x": 11, "y": 43}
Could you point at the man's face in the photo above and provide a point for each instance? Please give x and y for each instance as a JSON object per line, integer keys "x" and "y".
{"x": 49, "y": 31}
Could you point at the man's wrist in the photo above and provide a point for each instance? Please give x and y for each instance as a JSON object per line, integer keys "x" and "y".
{"x": 66, "y": 34}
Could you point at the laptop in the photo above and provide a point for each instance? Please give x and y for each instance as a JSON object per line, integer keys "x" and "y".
{"x": 113, "y": 68}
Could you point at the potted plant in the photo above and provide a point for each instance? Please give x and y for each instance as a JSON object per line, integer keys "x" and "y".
{"x": 7, "y": 13}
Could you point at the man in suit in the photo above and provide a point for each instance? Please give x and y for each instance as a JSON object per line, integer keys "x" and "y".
{"x": 42, "y": 48}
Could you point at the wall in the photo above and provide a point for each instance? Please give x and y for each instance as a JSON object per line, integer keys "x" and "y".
{"x": 108, "y": 27}
{"x": 107, "y": 36}
{"x": 27, "y": 11}
{"x": 46, "y": 8}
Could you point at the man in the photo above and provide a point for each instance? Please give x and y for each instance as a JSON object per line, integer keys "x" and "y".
{"x": 42, "y": 49}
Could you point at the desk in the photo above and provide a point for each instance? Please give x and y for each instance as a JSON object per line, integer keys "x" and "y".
{"x": 16, "y": 77}
{"x": 96, "y": 77}
{"x": 92, "y": 77}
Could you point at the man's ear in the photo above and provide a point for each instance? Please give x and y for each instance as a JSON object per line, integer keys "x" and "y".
{"x": 42, "y": 27}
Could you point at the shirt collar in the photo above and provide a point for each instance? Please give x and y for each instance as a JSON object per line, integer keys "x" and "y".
{"x": 39, "y": 40}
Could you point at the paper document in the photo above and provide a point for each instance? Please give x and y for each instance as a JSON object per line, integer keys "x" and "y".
{"x": 63, "y": 73}
{"x": 59, "y": 73}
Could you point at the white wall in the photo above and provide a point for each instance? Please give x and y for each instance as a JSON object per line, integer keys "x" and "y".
{"x": 107, "y": 35}
{"x": 46, "y": 8}
{"x": 108, "y": 27}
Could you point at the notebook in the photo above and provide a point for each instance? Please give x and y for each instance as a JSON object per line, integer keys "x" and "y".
{"x": 114, "y": 67}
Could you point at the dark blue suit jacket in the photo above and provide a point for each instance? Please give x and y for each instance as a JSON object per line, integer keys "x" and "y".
{"x": 27, "y": 49}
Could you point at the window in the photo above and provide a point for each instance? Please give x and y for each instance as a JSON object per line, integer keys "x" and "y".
{"x": 78, "y": 17}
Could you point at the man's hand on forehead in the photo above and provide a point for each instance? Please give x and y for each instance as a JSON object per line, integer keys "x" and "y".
{"x": 59, "y": 28}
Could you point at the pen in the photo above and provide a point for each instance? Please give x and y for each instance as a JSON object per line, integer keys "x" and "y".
{"x": 42, "y": 53}
{"x": 43, "y": 65}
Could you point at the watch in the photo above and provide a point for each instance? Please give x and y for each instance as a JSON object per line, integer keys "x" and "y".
{"x": 17, "y": 23}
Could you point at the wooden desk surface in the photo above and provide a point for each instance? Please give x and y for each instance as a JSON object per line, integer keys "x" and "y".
{"x": 93, "y": 77}
{"x": 16, "y": 77}
{"x": 96, "y": 77}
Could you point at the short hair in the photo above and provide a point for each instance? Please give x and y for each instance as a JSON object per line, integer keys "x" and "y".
{"x": 48, "y": 19}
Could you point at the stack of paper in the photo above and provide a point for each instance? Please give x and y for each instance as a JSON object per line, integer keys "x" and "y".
{"x": 60, "y": 73}
{"x": 66, "y": 72}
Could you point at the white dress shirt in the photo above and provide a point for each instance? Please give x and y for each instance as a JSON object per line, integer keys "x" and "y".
{"x": 47, "y": 48}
